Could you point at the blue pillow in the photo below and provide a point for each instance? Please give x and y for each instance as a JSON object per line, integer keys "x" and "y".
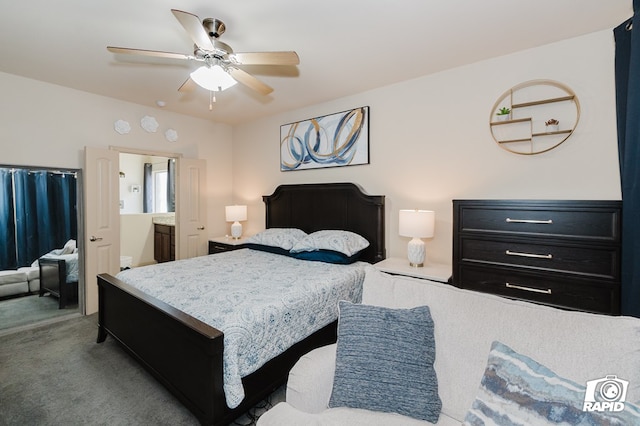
{"x": 384, "y": 361}
{"x": 268, "y": 249}
{"x": 327, "y": 256}
{"x": 516, "y": 390}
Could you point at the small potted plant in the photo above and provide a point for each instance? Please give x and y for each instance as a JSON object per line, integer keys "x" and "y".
{"x": 552, "y": 125}
{"x": 503, "y": 113}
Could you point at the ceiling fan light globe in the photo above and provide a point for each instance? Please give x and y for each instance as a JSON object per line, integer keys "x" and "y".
{"x": 212, "y": 78}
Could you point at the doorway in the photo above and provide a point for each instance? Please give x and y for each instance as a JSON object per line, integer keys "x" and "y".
{"x": 147, "y": 196}
{"x": 39, "y": 217}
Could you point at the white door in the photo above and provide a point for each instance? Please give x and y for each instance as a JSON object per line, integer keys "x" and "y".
{"x": 102, "y": 220}
{"x": 191, "y": 211}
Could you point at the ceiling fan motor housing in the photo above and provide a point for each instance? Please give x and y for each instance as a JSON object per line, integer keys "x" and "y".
{"x": 214, "y": 27}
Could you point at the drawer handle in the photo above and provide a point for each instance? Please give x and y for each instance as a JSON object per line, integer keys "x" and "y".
{"x": 533, "y": 290}
{"x": 537, "y": 256}
{"x": 544, "y": 222}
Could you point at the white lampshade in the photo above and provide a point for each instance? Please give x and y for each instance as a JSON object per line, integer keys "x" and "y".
{"x": 416, "y": 224}
{"x": 235, "y": 214}
{"x": 212, "y": 78}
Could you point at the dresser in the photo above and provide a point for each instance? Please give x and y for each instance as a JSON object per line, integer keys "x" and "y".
{"x": 558, "y": 252}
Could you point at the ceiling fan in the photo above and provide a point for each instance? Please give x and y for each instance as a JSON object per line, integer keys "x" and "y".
{"x": 220, "y": 63}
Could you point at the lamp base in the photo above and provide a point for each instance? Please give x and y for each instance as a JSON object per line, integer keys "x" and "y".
{"x": 416, "y": 253}
{"x": 236, "y": 230}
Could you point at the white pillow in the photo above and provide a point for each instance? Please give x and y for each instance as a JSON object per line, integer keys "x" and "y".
{"x": 69, "y": 247}
{"x": 345, "y": 242}
{"x": 284, "y": 238}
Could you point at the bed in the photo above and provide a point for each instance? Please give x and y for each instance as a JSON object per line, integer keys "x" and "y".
{"x": 185, "y": 354}
{"x": 58, "y": 272}
{"x": 57, "y": 281}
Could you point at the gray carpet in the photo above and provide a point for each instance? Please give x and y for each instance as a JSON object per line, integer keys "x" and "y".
{"x": 25, "y": 310}
{"x": 58, "y": 375}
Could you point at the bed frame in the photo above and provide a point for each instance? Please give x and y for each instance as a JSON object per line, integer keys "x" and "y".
{"x": 185, "y": 354}
{"x": 53, "y": 280}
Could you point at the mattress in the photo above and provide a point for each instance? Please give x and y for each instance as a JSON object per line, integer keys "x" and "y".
{"x": 262, "y": 302}
{"x": 71, "y": 262}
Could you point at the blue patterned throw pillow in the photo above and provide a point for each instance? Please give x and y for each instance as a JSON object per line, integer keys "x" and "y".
{"x": 345, "y": 242}
{"x": 283, "y": 238}
{"x": 516, "y": 390}
{"x": 384, "y": 361}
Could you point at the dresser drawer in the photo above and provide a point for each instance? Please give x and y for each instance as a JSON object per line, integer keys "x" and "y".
{"x": 574, "y": 294}
{"x": 589, "y": 261}
{"x": 579, "y": 220}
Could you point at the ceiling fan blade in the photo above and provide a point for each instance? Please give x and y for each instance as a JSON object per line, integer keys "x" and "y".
{"x": 249, "y": 81}
{"x": 265, "y": 58}
{"x": 188, "y": 86}
{"x": 192, "y": 24}
{"x": 155, "y": 53}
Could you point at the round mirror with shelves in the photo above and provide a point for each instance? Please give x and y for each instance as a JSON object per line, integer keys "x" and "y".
{"x": 534, "y": 117}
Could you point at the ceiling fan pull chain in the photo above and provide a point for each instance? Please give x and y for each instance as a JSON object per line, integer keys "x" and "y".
{"x": 212, "y": 99}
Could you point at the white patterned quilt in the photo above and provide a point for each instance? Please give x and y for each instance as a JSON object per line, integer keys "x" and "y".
{"x": 262, "y": 302}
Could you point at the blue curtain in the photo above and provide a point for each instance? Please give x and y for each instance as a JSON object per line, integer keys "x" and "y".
{"x": 7, "y": 224}
{"x": 627, "y": 72}
{"x": 45, "y": 213}
{"x": 61, "y": 193}
{"x": 31, "y": 209}
{"x": 171, "y": 185}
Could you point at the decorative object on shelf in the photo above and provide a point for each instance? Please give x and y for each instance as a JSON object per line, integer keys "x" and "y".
{"x": 171, "y": 135}
{"x": 527, "y": 131}
{"x": 236, "y": 214}
{"x": 340, "y": 139}
{"x": 552, "y": 125}
{"x": 416, "y": 224}
{"x": 503, "y": 114}
{"x": 122, "y": 127}
{"x": 148, "y": 123}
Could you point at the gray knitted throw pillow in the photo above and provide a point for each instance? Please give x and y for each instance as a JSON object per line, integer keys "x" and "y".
{"x": 384, "y": 361}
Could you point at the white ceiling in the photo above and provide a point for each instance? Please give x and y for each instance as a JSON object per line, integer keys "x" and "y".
{"x": 345, "y": 46}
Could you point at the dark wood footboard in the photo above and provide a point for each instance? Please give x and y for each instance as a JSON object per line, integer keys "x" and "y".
{"x": 53, "y": 280}
{"x": 185, "y": 354}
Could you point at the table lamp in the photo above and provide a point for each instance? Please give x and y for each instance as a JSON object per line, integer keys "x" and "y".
{"x": 416, "y": 224}
{"x": 235, "y": 214}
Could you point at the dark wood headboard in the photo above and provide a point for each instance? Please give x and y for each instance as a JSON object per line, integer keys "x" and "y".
{"x": 314, "y": 207}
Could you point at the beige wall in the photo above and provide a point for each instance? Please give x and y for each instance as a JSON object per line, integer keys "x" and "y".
{"x": 48, "y": 125}
{"x": 430, "y": 141}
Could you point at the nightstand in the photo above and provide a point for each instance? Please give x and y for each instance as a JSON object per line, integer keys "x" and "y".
{"x": 222, "y": 244}
{"x": 430, "y": 271}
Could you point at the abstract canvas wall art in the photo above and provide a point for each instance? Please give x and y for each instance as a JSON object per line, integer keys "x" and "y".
{"x": 340, "y": 139}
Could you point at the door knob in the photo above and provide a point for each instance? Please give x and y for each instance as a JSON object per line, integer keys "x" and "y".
{"x": 94, "y": 238}
{"x": 200, "y": 228}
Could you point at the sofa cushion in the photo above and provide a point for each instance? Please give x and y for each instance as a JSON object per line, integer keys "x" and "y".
{"x": 576, "y": 345}
{"x": 384, "y": 361}
{"x": 516, "y": 389}
{"x": 285, "y": 414}
{"x": 12, "y": 277}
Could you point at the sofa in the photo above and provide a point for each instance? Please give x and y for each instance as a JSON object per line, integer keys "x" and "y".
{"x": 562, "y": 363}
{"x": 22, "y": 281}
